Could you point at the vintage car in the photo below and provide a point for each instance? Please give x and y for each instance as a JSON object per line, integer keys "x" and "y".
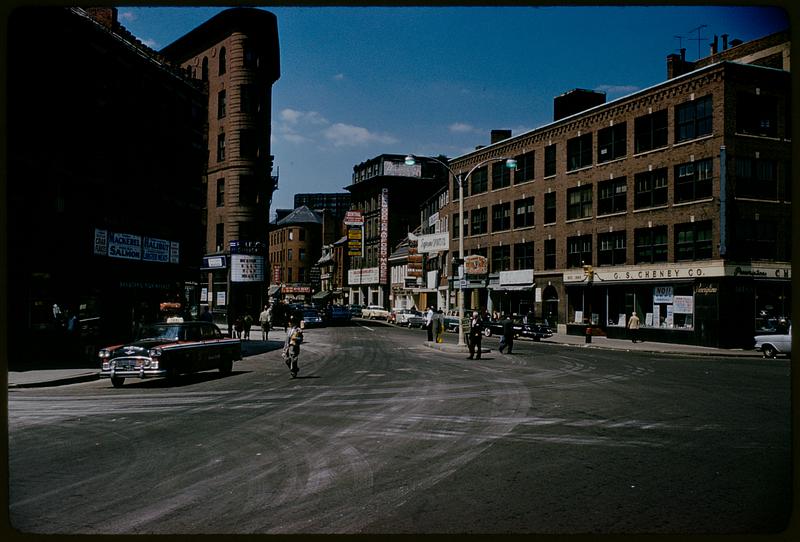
{"x": 416, "y": 320}
{"x": 170, "y": 350}
{"x": 775, "y": 344}
{"x": 375, "y": 312}
{"x": 337, "y": 314}
{"x": 401, "y": 316}
{"x": 356, "y": 310}
{"x": 312, "y": 318}
{"x": 535, "y": 331}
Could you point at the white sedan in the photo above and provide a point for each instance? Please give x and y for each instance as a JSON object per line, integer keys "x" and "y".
{"x": 772, "y": 345}
{"x": 375, "y": 312}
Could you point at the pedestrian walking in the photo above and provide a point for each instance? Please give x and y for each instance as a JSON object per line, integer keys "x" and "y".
{"x": 265, "y": 319}
{"x": 291, "y": 346}
{"x": 633, "y": 327}
{"x": 507, "y": 339}
{"x": 206, "y": 316}
{"x": 438, "y": 326}
{"x": 247, "y": 324}
{"x": 429, "y": 323}
{"x": 475, "y": 335}
{"x": 238, "y": 327}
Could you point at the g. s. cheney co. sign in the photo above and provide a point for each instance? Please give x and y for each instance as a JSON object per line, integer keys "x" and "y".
{"x": 640, "y": 273}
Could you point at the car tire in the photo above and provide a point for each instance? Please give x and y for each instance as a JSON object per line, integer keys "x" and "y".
{"x": 226, "y": 368}
{"x": 487, "y": 332}
{"x": 769, "y": 351}
{"x": 537, "y": 338}
{"x": 172, "y": 375}
{"x": 117, "y": 381}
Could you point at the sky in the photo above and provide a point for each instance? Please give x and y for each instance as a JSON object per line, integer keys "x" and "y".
{"x": 357, "y": 82}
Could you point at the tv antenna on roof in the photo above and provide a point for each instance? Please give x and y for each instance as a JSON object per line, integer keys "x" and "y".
{"x": 698, "y": 38}
{"x": 680, "y": 41}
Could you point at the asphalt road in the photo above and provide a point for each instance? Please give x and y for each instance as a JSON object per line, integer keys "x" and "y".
{"x": 383, "y": 435}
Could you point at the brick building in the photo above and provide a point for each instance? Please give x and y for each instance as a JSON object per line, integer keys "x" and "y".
{"x": 235, "y": 55}
{"x": 673, "y": 202}
{"x": 105, "y": 163}
{"x": 388, "y": 193}
{"x": 295, "y": 247}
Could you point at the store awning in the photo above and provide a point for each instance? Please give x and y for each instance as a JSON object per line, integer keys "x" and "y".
{"x": 512, "y": 287}
{"x": 322, "y": 296}
{"x": 274, "y": 290}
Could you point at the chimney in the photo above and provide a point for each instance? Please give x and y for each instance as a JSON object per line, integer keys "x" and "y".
{"x": 105, "y": 16}
{"x": 500, "y": 135}
{"x": 576, "y": 101}
{"x": 714, "y": 45}
{"x": 724, "y": 42}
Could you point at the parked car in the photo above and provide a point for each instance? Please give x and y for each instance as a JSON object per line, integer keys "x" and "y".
{"x": 535, "y": 331}
{"x": 401, "y": 316}
{"x": 312, "y": 318}
{"x": 416, "y": 320}
{"x": 375, "y": 312}
{"x": 356, "y": 310}
{"x": 772, "y": 345}
{"x": 337, "y": 314}
{"x": 169, "y": 350}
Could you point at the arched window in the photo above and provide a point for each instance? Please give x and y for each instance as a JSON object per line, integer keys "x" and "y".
{"x": 204, "y": 76}
{"x": 223, "y": 60}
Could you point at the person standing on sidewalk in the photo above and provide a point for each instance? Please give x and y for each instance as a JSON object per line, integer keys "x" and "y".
{"x": 633, "y": 327}
{"x": 429, "y": 323}
{"x": 265, "y": 319}
{"x": 507, "y": 340}
{"x": 438, "y": 326}
{"x": 475, "y": 335}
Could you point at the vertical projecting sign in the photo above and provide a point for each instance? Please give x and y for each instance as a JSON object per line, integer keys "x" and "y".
{"x": 383, "y": 247}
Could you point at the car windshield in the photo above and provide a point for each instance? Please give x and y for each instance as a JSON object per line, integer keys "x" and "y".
{"x": 159, "y": 332}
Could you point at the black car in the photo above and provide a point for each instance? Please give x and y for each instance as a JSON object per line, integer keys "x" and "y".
{"x": 169, "y": 350}
{"x": 535, "y": 331}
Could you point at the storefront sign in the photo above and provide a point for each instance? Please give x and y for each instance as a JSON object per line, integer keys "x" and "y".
{"x": 101, "y": 242}
{"x": 247, "y": 268}
{"x": 155, "y": 250}
{"x": 683, "y": 304}
{"x": 760, "y": 272}
{"x": 662, "y": 294}
{"x": 204, "y": 295}
{"x": 354, "y": 240}
{"x": 383, "y": 245}
{"x": 649, "y": 273}
{"x": 124, "y": 245}
{"x": 435, "y": 242}
{"x": 476, "y": 265}
{"x": 214, "y": 262}
{"x": 354, "y": 218}
{"x": 296, "y": 290}
{"x": 220, "y": 299}
{"x": 362, "y": 276}
{"x": 520, "y": 277}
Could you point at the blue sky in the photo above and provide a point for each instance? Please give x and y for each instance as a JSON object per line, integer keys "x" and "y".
{"x": 358, "y": 82}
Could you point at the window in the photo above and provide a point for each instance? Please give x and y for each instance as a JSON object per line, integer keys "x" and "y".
{"x": 248, "y": 144}
{"x": 612, "y": 196}
{"x": 650, "y": 132}
{"x": 693, "y": 119}
{"x": 579, "y": 202}
{"x": 651, "y": 189}
{"x": 220, "y": 236}
{"x": 757, "y": 115}
{"x": 456, "y": 188}
{"x": 455, "y": 226}
{"x": 301, "y": 274}
{"x": 525, "y": 164}
{"x": 288, "y": 274}
{"x": 291, "y": 234}
{"x": 223, "y": 61}
{"x": 479, "y": 221}
{"x": 550, "y": 160}
{"x": 549, "y": 253}
{"x": 756, "y": 178}
{"x": 693, "y": 241}
{"x": 302, "y": 234}
{"x": 523, "y": 213}
{"x": 579, "y": 152}
{"x": 550, "y": 208}
{"x": 220, "y": 192}
{"x": 248, "y": 190}
{"x": 612, "y": 142}
{"x": 249, "y": 98}
{"x": 289, "y": 253}
{"x": 650, "y": 245}
{"x": 220, "y": 147}
{"x": 479, "y": 181}
{"x": 301, "y": 254}
{"x": 501, "y": 258}
{"x": 204, "y": 72}
{"x": 501, "y": 216}
{"x": 611, "y": 248}
{"x": 756, "y": 239}
{"x": 579, "y": 251}
{"x": 250, "y": 59}
{"x": 693, "y": 180}
{"x": 222, "y": 104}
{"x": 501, "y": 175}
{"x": 523, "y": 255}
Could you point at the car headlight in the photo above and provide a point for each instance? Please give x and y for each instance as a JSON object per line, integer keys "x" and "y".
{"x": 155, "y": 352}
{"x": 104, "y": 353}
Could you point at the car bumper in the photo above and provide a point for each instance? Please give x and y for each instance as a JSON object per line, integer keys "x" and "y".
{"x": 133, "y": 373}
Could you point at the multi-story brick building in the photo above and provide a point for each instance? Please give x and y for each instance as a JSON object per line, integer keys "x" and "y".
{"x": 235, "y": 55}
{"x": 105, "y": 163}
{"x": 673, "y": 202}
{"x": 389, "y": 193}
{"x": 295, "y": 246}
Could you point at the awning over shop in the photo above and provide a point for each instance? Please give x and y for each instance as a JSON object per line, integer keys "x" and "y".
{"x": 322, "y": 296}
{"x": 274, "y": 290}
{"x": 511, "y": 287}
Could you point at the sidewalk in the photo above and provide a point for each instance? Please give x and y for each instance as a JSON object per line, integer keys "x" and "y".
{"x": 56, "y": 377}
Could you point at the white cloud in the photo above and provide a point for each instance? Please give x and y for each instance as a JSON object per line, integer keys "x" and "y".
{"x": 463, "y": 128}
{"x": 339, "y": 77}
{"x": 295, "y": 117}
{"x": 618, "y": 90}
{"x": 347, "y": 135}
{"x": 127, "y": 16}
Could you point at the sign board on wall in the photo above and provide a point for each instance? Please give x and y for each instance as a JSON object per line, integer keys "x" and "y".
{"x": 124, "y": 245}
{"x": 363, "y": 276}
{"x": 354, "y": 218}
{"x": 476, "y": 265}
{"x": 436, "y": 242}
{"x": 128, "y": 246}
{"x": 247, "y": 268}
{"x": 383, "y": 245}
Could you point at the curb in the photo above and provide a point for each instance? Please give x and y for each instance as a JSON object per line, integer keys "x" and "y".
{"x": 88, "y": 377}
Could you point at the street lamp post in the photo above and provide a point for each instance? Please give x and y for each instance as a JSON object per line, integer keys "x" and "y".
{"x": 510, "y": 164}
